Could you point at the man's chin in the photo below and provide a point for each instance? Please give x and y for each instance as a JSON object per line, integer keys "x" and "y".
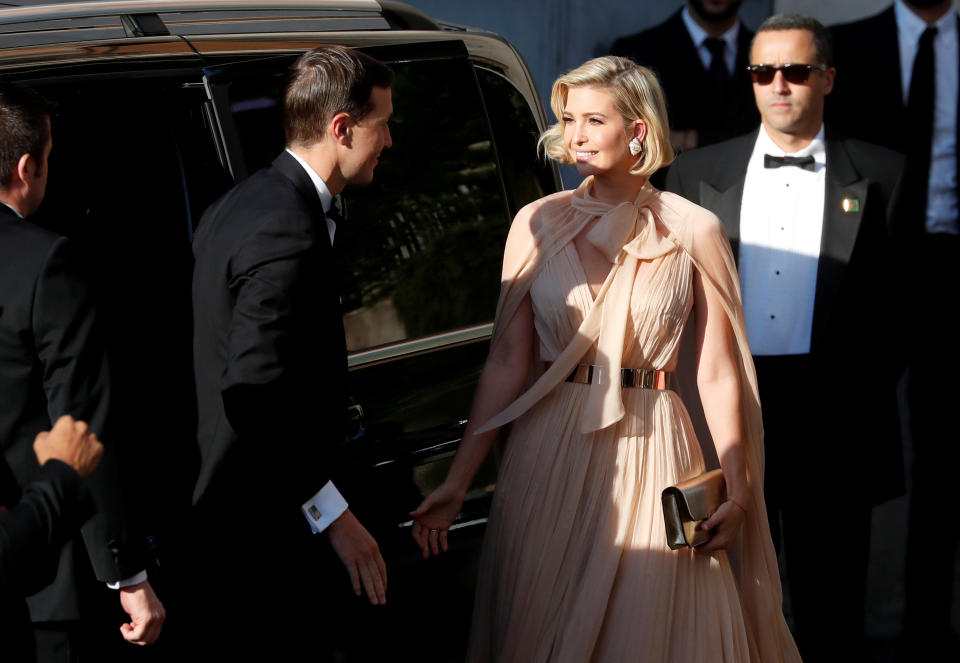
{"x": 712, "y": 15}
{"x": 360, "y": 179}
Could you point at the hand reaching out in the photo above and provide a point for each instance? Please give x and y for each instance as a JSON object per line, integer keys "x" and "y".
{"x": 433, "y": 518}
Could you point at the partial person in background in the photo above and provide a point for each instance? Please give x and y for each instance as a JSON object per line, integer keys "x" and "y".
{"x": 700, "y": 57}
{"x": 807, "y": 211}
{"x": 898, "y": 84}
{"x": 597, "y": 291}
{"x": 35, "y": 525}
{"x": 270, "y": 361}
{"x": 53, "y": 362}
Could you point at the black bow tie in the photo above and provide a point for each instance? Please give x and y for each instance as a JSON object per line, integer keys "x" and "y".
{"x": 807, "y": 162}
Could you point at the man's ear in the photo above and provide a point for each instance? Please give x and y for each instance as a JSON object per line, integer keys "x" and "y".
{"x": 828, "y": 77}
{"x": 26, "y": 169}
{"x": 340, "y": 128}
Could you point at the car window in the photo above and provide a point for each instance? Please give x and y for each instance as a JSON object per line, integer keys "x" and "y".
{"x": 132, "y": 169}
{"x": 420, "y": 251}
{"x": 527, "y": 175}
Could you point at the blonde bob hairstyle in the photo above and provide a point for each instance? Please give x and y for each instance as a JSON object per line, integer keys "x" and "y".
{"x": 637, "y": 95}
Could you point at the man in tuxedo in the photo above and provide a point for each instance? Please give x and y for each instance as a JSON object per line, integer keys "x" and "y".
{"x": 270, "y": 363}
{"x": 53, "y": 362}
{"x": 35, "y": 525}
{"x": 912, "y": 72}
{"x": 807, "y": 212}
{"x": 700, "y": 57}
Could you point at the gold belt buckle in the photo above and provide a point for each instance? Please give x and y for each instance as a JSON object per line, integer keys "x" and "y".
{"x": 637, "y": 378}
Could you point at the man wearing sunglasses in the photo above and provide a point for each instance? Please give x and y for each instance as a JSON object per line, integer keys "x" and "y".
{"x": 807, "y": 213}
{"x": 911, "y": 71}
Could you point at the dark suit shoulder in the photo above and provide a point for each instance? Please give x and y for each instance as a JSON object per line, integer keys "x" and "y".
{"x": 719, "y": 164}
{"x": 874, "y": 162}
{"x": 865, "y": 26}
{"x": 265, "y": 199}
{"x": 26, "y": 240}
{"x": 653, "y": 45}
{"x": 879, "y": 156}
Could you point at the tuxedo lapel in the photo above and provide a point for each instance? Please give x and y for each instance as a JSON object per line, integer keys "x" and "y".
{"x": 725, "y": 203}
{"x": 723, "y": 194}
{"x": 844, "y": 201}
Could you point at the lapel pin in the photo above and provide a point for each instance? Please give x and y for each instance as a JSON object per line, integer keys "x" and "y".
{"x": 850, "y": 205}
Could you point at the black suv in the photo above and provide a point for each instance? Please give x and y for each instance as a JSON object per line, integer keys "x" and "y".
{"x": 162, "y": 106}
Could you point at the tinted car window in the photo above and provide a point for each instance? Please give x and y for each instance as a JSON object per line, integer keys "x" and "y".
{"x": 132, "y": 169}
{"x": 526, "y": 175}
{"x": 422, "y": 245}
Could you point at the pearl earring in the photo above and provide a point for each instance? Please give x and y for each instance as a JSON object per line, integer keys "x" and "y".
{"x": 635, "y": 146}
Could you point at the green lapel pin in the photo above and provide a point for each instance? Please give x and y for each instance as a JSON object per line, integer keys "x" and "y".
{"x": 850, "y": 205}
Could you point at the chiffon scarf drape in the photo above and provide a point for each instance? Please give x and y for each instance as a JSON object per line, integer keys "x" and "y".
{"x": 653, "y": 224}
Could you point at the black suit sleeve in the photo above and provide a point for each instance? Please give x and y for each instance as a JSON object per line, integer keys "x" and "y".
{"x": 31, "y": 534}
{"x": 76, "y": 381}
{"x": 283, "y": 382}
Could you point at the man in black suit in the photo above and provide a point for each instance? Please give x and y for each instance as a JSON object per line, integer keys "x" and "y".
{"x": 912, "y": 72}
{"x": 700, "y": 57}
{"x": 807, "y": 212}
{"x": 53, "y": 362}
{"x": 35, "y": 525}
{"x": 270, "y": 362}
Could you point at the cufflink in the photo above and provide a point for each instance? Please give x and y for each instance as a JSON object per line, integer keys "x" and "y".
{"x": 850, "y": 205}
{"x": 314, "y": 512}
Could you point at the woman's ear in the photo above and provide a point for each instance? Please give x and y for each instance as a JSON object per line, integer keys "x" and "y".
{"x": 639, "y": 130}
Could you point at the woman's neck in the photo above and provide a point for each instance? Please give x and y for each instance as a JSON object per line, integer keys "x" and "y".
{"x": 616, "y": 189}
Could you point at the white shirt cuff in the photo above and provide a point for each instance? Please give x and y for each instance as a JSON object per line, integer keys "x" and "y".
{"x": 324, "y": 507}
{"x": 126, "y": 582}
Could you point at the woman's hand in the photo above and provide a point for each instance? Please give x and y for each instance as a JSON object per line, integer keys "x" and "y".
{"x": 724, "y": 524}
{"x": 432, "y": 519}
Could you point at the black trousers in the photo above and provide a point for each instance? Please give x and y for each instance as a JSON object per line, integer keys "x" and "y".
{"x": 824, "y": 545}
{"x": 933, "y": 392}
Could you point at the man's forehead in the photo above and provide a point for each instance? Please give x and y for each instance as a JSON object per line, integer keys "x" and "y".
{"x": 778, "y": 44}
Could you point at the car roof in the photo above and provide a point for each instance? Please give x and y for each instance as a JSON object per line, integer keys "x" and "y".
{"x": 61, "y": 23}
{"x": 43, "y": 38}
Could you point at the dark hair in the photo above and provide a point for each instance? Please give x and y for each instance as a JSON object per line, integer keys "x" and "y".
{"x": 821, "y": 36}
{"x": 24, "y": 127}
{"x": 326, "y": 81}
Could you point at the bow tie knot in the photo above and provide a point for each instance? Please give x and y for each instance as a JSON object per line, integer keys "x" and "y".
{"x": 807, "y": 162}
{"x": 624, "y": 229}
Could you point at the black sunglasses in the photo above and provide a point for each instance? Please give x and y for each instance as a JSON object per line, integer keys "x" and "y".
{"x": 763, "y": 74}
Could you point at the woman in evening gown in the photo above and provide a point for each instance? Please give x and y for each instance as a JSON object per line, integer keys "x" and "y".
{"x": 597, "y": 282}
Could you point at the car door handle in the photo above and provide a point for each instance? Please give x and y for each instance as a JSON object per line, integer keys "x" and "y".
{"x": 356, "y": 422}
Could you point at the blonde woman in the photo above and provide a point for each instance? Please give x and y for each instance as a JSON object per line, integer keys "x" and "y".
{"x": 598, "y": 287}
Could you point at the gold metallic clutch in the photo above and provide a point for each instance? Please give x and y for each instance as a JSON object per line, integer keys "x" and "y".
{"x": 689, "y": 503}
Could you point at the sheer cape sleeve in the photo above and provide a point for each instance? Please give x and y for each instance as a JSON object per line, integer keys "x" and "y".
{"x": 628, "y": 234}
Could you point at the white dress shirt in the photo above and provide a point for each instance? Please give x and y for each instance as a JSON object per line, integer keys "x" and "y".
{"x": 781, "y": 222}
{"x": 328, "y": 504}
{"x": 942, "y": 188}
{"x": 698, "y": 35}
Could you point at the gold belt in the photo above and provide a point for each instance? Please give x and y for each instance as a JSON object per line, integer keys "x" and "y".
{"x": 640, "y": 378}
